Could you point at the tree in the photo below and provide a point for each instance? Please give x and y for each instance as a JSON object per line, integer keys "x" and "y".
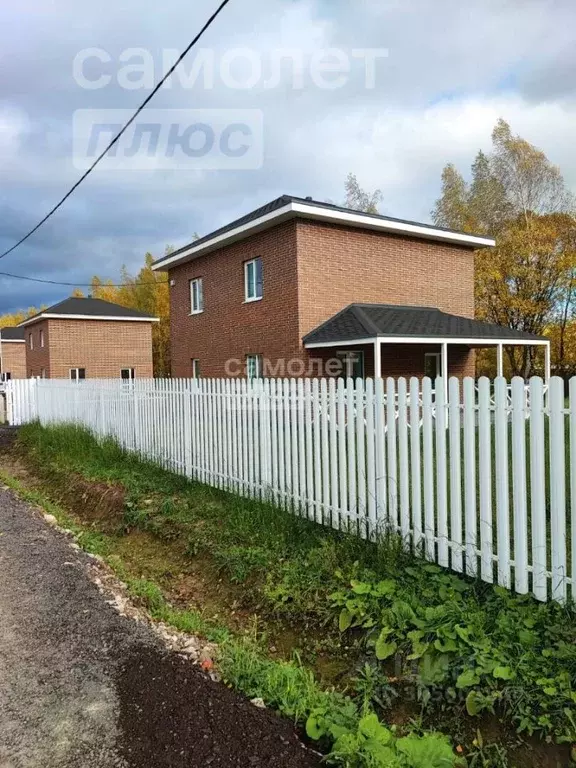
{"x": 519, "y": 197}
{"x": 358, "y": 199}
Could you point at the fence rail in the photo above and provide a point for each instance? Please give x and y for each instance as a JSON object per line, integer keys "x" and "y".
{"x": 483, "y": 483}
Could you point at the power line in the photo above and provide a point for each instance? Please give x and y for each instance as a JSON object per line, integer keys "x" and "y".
{"x": 157, "y": 87}
{"x": 76, "y": 285}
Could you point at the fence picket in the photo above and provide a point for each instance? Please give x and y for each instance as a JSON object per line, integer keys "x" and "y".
{"x": 455, "y": 428}
{"x": 485, "y": 478}
{"x": 557, "y": 488}
{"x": 404, "y": 476}
{"x": 501, "y": 477}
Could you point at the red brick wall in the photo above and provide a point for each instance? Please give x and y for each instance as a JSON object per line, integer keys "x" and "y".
{"x": 102, "y": 347}
{"x": 311, "y": 271}
{"x": 14, "y": 359}
{"x": 228, "y": 328}
{"x": 38, "y": 358}
{"x": 338, "y": 266}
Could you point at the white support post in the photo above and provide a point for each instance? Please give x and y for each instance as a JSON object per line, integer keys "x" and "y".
{"x": 444, "y": 368}
{"x": 547, "y": 371}
{"x": 500, "y": 360}
{"x": 377, "y": 359}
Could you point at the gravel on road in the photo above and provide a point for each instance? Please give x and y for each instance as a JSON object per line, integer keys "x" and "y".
{"x": 82, "y": 685}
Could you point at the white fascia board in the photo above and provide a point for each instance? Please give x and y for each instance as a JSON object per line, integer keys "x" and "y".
{"x": 431, "y": 340}
{"x": 226, "y": 237}
{"x": 55, "y": 316}
{"x": 331, "y": 216}
{"x": 12, "y": 341}
{"x": 386, "y": 225}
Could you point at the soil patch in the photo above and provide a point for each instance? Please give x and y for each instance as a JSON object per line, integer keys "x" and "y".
{"x": 174, "y": 716}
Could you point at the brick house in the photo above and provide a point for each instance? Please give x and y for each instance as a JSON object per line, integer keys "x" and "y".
{"x": 12, "y": 354}
{"x": 300, "y": 287}
{"x": 88, "y": 338}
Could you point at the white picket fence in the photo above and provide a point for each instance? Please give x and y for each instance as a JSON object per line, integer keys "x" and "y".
{"x": 484, "y": 484}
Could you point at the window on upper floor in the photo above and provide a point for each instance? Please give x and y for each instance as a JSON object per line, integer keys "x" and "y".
{"x": 253, "y": 280}
{"x": 196, "y": 296}
{"x": 31, "y": 340}
{"x": 41, "y": 338}
{"x": 254, "y": 366}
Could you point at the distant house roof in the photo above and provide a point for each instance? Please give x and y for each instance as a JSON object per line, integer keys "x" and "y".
{"x": 289, "y": 207}
{"x": 75, "y": 308}
{"x": 11, "y": 333}
{"x": 359, "y": 322}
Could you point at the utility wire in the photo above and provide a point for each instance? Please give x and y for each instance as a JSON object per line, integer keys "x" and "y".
{"x": 76, "y": 285}
{"x": 159, "y": 85}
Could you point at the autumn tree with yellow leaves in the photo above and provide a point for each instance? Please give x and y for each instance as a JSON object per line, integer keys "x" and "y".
{"x": 527, "y": 281}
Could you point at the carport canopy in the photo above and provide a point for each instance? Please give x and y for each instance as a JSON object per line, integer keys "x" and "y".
{"x": 379, "y": 324}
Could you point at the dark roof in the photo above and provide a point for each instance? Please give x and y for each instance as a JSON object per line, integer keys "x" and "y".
{"x": 11, "y": 333}
{"x": 366, "y": 321}
{"x": 280, "y": 202}
{"x": 91, "y": 307}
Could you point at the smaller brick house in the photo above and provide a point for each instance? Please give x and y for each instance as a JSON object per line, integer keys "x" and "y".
{"x": 82, "y": 338}
{"x": 12, "y": 354}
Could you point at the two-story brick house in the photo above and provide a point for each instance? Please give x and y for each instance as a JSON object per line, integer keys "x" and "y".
{"x": 82, "y": 338}
{"x": 12, "y": 354}
{"x": 300, "y": 287}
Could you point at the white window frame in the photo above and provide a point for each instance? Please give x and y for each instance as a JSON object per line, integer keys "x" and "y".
{"x": 258, "y": 360}
{"x": 195, "y": 367}
{"x": 131, "y": 371}
{"x": 76, "y": 377}
{"x": 41, "y": 338}
{"x": 31, "y": 340}
{"x": 248, "y": 289}
{"x": 5, "y": 376}
{"x": 196, "y": 282}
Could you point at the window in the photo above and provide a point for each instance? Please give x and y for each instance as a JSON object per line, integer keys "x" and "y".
{"x": 195, "y": 368}
{"x": 196, "y": 296}
{"x": 42, "y": 373}
{"x": 432, "y": 365}
{"x": 5, "y": 376}
{"x": 253, "y": 280}
{"x": 127, "y": 374}
{"x": 352, "y": 363}
{"x": 77, "y": 373}
{"x": 41, "y": 338}
{"x": 254, "y": 366}
{"x": 31, "y": 341}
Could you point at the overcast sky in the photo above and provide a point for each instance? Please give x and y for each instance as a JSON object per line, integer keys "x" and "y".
{"x": 452, "y": 69}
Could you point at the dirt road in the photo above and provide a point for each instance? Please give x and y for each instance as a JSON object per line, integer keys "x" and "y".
{"x": 82, "y": 686}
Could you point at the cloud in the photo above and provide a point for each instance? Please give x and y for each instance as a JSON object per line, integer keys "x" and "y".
{"x": 453, "y": 69}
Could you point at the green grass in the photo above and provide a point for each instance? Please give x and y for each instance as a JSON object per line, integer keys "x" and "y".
{"x": 516, "y": 656}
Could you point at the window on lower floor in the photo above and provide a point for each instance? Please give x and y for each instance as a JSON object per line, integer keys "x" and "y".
{"x": 254, "y": 366}
{"x": 195, "y": 368}
{"x": 6, "y": 376}
{"x": 76, "y": 374}
{"x": 352, "y": 363}
{"x": 432, "y": 365}
{"x": 43, "y": 373}
{"x": 127, "y": 374}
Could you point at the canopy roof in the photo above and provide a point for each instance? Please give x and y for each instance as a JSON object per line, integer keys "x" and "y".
{"x": 366, "y": 322}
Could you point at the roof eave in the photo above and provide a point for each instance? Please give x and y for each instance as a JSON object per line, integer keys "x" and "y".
{"x": 468, "y": 341}
{"x": 316, "y": 213}
{"x": 115, "y": 318}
